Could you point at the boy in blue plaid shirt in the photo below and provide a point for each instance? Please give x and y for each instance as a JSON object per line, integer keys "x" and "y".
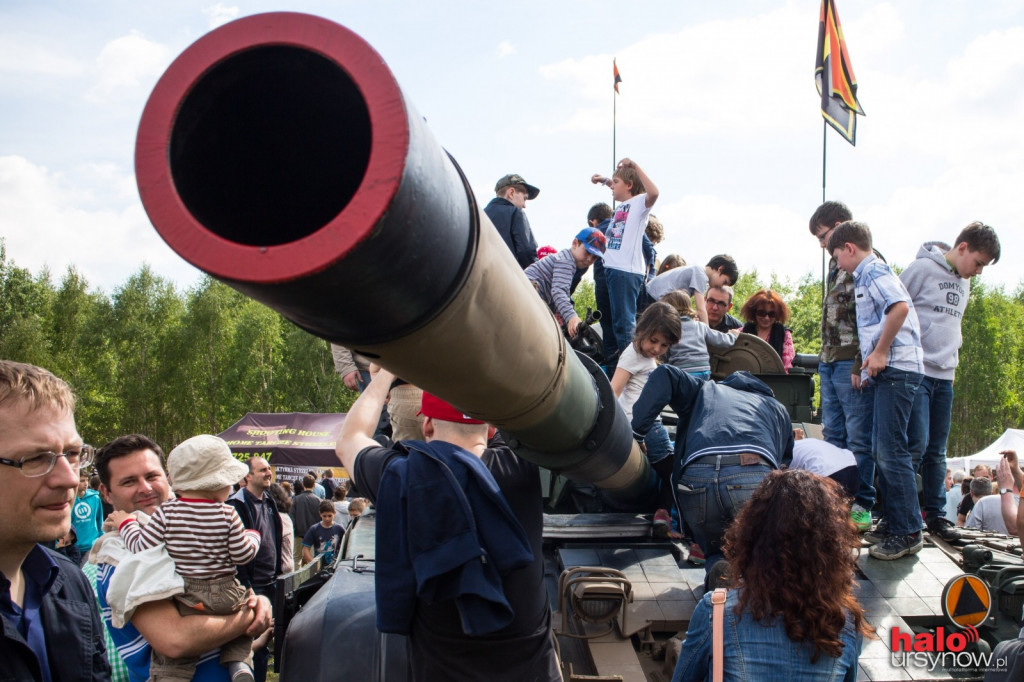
{"x": 892, "y": 367}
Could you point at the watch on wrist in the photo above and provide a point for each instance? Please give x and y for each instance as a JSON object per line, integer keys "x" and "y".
{"x": 1005, "y": 490}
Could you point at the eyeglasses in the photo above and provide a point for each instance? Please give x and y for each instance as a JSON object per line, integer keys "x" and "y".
{"x": 715, "y": 304}
{"x": 823, "y": 237}
{"x": 765, "y": 313}
{"x": 42, "y": 463}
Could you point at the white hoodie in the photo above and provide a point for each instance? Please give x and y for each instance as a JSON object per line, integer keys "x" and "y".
{"x": 940, "y": 298}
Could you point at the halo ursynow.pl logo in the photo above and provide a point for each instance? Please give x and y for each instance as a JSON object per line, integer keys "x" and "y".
{"x": 928, "y": 642}
{"x": 941, "y": 650}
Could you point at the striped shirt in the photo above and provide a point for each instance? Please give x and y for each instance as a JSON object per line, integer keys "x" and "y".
{"x": 205, "y": 538}
{"x": 553, "y": 277}
{"x": 877, "y": 289}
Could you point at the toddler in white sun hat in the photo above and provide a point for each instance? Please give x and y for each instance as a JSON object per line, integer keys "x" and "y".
{"x": 206, "y": 540}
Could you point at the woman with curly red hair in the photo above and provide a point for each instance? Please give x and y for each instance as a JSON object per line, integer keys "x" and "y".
{"x": 791, "y": 612}
{"x": 766, "y": 315}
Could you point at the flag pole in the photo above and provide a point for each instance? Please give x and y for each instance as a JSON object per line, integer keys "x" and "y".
{"x": 824, "y": 148}
{"x": 615, "y": 97}
{"x": 615, "y": 93}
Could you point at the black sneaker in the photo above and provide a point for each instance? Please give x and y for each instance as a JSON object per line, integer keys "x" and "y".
{"x": 897, "y": 546}
{"x": 943, "y": 528}
{"x": 880, "y": 533}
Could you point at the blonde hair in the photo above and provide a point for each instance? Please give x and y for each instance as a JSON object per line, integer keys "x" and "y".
{"x": 33, "y": 386}
{"x": 680, "y": 300}
{"x": 631, "y": 178}
{"x": 655, "y": 230}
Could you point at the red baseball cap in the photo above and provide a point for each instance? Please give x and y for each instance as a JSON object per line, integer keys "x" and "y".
{"x": 435, "y": 408}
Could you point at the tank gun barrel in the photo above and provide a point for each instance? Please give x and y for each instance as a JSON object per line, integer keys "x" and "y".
{"x": 279, "y": 155}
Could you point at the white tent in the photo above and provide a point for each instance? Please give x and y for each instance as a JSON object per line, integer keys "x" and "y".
{"x": 1012, "y": 439}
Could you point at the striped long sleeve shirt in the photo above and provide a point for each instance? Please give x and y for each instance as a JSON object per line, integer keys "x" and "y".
{"x": 205, "y": 538}
{"x": 553, "y": 277}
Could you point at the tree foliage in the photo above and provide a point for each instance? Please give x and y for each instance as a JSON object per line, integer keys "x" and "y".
{"x": 151, "y": 359}
{"x": 171, "y": 364}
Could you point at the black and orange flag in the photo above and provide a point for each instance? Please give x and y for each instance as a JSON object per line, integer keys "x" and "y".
{"x": 618, "y": 78}
{"x": 834, "y": 77}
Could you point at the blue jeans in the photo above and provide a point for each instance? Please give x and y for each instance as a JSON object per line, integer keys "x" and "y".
{"x": 623, "y": 288}
{"x": 846, "y": 416}
{"x": 608, "y": 343}
{"x": 261, "y": 658}
{"x": 927, "y": 436}
{"x": 710, "y": 494}
{"x": 894, "y": 401}
{"x": 658, "y": 444}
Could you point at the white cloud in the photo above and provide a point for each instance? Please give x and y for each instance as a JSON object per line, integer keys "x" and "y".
{"x": 24, "y": 55}
{"x": 49, "y": 222}
{"x": 219, "y": 15}
{"x": 126, "y": 64}
{"x": 505, "y": 49}
{"x": 749, "y": 75}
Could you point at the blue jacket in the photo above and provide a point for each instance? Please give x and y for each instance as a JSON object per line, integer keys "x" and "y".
{"x": 514, "y": 228}
{"x": 71, "y": 625}
{"x": 444, "y": 531}
{"x": 736, "y": 415}
{"x": 760, "y": 652}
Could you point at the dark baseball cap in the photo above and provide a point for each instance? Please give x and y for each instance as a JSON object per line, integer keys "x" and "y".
{"x": 516, "y": 179}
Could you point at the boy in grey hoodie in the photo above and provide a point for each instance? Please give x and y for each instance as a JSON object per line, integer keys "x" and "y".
{"x": 939, "y": 282}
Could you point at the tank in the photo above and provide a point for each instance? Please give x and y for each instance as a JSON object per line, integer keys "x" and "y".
{"x": 279, "y": 155}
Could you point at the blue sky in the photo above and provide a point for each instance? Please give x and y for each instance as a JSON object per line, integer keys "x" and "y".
{"x": 717, "y": 104}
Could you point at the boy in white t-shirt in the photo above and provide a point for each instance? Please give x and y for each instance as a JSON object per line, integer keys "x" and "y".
{"x": 624, "y": 258}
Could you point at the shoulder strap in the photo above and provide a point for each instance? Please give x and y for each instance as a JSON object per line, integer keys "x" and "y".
{"x": 717, "y": 633}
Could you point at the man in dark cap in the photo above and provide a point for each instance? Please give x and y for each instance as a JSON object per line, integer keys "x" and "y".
{"x": 459, "y": 566}
{"x": 506, "y": 213}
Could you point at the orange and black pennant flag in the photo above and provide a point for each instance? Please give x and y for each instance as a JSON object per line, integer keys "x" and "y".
{"x": 834, "y": 77}
{"x": 618, "y": 78}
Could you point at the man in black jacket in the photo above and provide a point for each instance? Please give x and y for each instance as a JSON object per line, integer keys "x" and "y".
{"x": 51, "y": 625}
{"x": 305, "y": 510}
{"x": 258, "y": 511}
{"x": 506, "y": 213}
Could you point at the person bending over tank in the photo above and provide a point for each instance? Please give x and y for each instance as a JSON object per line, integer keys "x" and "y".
{"x": 431, "y": 538}
{"x": 792, "y": 613}
{"x": 730, "y": 435}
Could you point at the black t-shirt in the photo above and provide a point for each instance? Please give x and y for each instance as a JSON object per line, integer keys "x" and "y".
{"x": 438, "y": 649}
{"x": 264, "y": 566}
{"x": 965, "y": 506}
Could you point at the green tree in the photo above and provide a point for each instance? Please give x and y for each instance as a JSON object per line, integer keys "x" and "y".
{"x": 146, "y": 312}
{"x": 25, "y": 303}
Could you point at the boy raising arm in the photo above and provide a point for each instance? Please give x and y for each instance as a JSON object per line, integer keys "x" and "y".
{"x": 625, "y": 269}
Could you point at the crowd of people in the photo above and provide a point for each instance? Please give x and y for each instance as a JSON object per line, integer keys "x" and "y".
{"x": 183, "y": 579}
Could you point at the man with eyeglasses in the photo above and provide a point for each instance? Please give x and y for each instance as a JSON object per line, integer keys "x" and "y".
{"x": 51, "y": 625}
{"x": 506, "y": 211}
{"x": 719, "y": 302}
